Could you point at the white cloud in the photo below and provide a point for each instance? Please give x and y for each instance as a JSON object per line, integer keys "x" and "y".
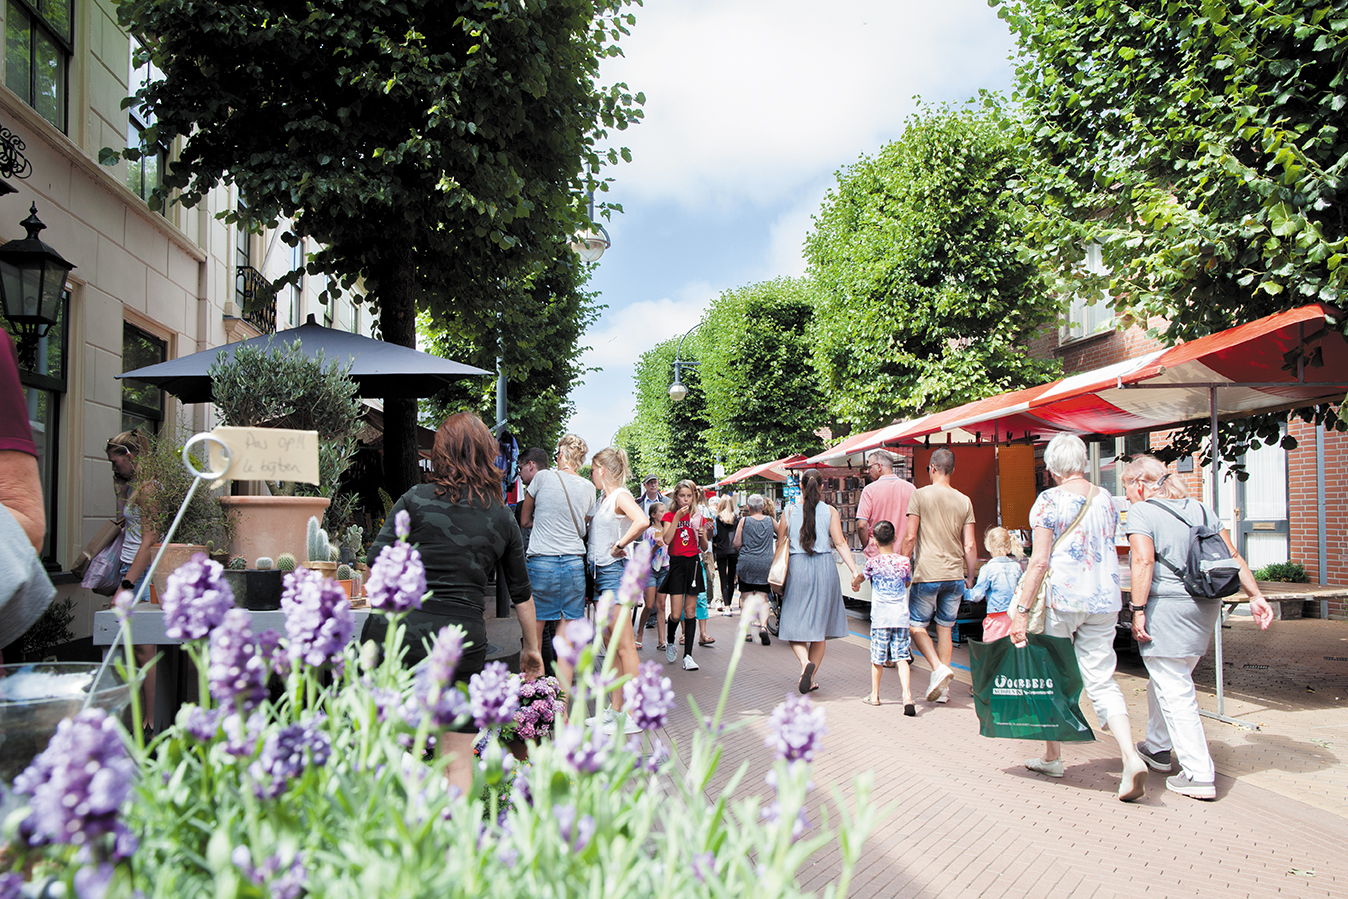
{"x": 786, "y": 247}
{"x": 748, "y": 97}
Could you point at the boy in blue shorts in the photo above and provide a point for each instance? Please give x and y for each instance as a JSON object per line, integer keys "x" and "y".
{"x": 890, "y": 577}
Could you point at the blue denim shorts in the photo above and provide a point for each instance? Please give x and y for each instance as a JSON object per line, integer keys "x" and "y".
{"x": 559, "y": 587}
{"x": 941, "y": 597}
{"x": 608, "y": 578}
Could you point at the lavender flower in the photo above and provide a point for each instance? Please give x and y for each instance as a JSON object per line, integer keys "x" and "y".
{"x": 195, "y": 599}
{"x": 318, "y": 618}
{"x": 773, "y": 815}
{"x": 237, "y": 673}
{"x": 92, "y": 881}
{"x": 200, "y": 724}
{"x": 269, "y": 650}
{"x": 633, "y": 584}
{"x": 704, "y": 866}
{"x": 402, "y": 524}
{"x": 585, "y": 756}
{"x": 122, "y": 603}
{"x": 652, "y": 761}
{"x": 291, "y": 883}
{"x": 521, "y": 794}
{"x": 796, "y": 728}
{"x": 648, "y": 698}
{"x": 494, "y": 693}
{"x": 445, "y": 654}
{"x": 241, "y": 736}
{"x": 397, "y": 579}
{"x": 282, "y": 756}
{"x": 574, "y": 833}
{"x": 573, "y": 640}
{"x": 10, "y": 885}
{"x": 79, "y": 782}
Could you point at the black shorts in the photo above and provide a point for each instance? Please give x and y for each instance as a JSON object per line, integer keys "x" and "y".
{"x": 682, "y": 577}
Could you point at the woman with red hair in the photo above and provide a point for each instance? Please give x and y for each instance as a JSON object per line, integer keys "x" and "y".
{"x": 462, "y": 530}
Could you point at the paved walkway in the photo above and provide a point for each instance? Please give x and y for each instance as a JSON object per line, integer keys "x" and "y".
{"x": 967, "y": 819}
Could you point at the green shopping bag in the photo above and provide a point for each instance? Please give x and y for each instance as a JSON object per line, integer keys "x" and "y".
{"x": 1029, "y": 692}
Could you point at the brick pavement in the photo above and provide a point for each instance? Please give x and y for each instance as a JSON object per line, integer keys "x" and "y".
{"x": 967, "y": 819}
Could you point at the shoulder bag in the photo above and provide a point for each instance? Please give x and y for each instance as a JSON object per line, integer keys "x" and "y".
{"x": 110, "y": 531}
{"x": 581, "y": 533}
{"x": 781, "y": 560}
{"x": 1040, "y": 601}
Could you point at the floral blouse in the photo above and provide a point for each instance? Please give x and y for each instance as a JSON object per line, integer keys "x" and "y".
{"x": 1084, "y": 569}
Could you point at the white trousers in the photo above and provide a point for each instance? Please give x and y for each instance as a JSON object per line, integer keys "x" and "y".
{"x": 1092, "y": 637}
{"x": 1173, "y": 721}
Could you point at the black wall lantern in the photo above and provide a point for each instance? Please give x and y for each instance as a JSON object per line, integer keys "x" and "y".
{"x": 32, "y": 279}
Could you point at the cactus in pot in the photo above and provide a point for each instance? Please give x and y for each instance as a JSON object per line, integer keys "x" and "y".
{"x": 238, "y": 563}
{"x": 285, "y": 562}
{"x": 263, "y": 563}
{"x": 344, "y": 573}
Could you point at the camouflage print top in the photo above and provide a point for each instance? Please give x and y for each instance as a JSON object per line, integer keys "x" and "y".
{"x": 460, "y": 544}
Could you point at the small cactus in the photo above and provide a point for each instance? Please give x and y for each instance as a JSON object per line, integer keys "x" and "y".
{"x": 263, "y": 563}
{"x": 238, "y": 563}
{"x": 334, "y": 553}
{"x": 285, "y": 562}
{"x": 352, "y": 540}
{"x": 344, "y": 573}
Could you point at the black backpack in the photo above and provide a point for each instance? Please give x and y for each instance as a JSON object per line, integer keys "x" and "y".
{"x": 1210, "y": 571}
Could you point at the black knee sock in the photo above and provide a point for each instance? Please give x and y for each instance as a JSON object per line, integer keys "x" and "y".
{"x": 672, "y": 628}
{"x": 689, "y": 633}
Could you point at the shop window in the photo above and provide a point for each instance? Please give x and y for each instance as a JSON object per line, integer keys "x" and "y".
{"x": 1086, "y": 319}
{"x": 44, "y": 387}
{"x": 38, "y": 47}
{"x": 142, "y": 403}
{"x": 146, "y": 174}
{"x": 297, "y": 288}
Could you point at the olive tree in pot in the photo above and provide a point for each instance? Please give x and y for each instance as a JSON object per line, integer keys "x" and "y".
{"x": 279, "y": 387}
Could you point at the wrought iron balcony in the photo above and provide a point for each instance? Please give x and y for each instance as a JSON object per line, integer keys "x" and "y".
{"x": 256, "y": 298}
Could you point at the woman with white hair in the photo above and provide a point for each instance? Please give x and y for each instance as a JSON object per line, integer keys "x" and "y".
{"x": 1083, "y": 600}
{"x": 1173, "y": 628}
{"x": 754, "y": 541}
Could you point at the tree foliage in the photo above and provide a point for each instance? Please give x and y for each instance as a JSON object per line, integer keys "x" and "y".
{"x": 670, "y": 437}
{"x": 926, "y": 295}
{"x": 435, "y": 149}
{"x": 763, "y": 395}
{"x": 1200, "y": 143}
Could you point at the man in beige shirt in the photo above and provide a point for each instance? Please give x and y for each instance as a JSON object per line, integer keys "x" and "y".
{"x": 941, "y": 530}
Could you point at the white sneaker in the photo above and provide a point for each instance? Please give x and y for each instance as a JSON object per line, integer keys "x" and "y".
{"x": 629, "y": 726}
{"x": 939, "y": 678}
{"x": 945, "y": 694}
{"x": 689, "y": 664}
{"x": 1039, "y": 766}
{"x": 671, "y": 652}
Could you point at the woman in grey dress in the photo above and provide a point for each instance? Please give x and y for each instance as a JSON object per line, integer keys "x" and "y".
{"x": 812, "y": 604}
{"x": 754, "y": 543}
{"x": 1172, "y": 628}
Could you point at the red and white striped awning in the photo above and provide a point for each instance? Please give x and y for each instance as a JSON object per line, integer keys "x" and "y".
{"x": 1283, "y": 361}
{"x": 764, "y": 471}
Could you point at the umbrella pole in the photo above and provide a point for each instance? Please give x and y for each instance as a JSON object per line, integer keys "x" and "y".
{"x": 1221, "y": 616}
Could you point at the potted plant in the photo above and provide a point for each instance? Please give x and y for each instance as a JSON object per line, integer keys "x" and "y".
{"x": 279, "y": 387}
{"x": 320, "y": 554}
{"x": 205, "y": 524}
{"x": 257, "y": 588}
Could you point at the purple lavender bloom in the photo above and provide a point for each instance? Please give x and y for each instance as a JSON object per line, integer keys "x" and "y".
{"x": 445, "y": 654}
{"x": 402, "y": 524}
{"x": 92, "y": 881}
{"x": 282, "y": 757}
{"x": 649, "y": 697}
{"x": 241, "y": 736}
{"x": 576, "y": 636}
{"x": 237, "y": 672}
{"x": 79, "y": 782}
{"x": 318, "y": 618}
{"x": 10, "y": 885}
{"x": 269, "y": 650}
{"x": 397, "y": 579}
{"x": 633, "y": 584}
{"x": 585, "y": 756}
{"x": 291, "y": 883}
{"x": 521, "y": 794}
{"x": 494, "y": 693}
{"x": 574, "y": 833}
{"x": 122, "y": 603}
{"x": 201, "y": 724}
{"x": 796, "y": 728}
{"x": 704, "y": 866}
{"x": 195, "y": 599}
{"x": 651, "y": 761}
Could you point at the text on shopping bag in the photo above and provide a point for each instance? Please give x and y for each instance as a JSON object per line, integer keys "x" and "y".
{"x": 267, "y": 454}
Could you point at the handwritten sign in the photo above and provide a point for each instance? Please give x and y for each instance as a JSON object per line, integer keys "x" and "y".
{"x": 268, "y": 454}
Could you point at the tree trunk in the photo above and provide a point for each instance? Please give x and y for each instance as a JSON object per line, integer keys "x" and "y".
{"x": 398, "y": 324}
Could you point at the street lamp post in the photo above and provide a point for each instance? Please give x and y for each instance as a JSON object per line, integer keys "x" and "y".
{"x": 32, "y": 278}
{"x": 677, "y": 390}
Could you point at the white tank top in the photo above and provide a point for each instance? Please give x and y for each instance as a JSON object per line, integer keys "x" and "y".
{"x": 607, "y": 527}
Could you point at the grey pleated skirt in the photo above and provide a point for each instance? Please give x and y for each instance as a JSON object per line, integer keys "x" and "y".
{"x": 812, "y": 606}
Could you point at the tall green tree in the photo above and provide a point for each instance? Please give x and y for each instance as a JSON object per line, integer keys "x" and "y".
{"x": 541, "y": 357}
{"x": 764, "y": 399}
{"x": 671, "y": 438}
{"x": 436, "y": 149}
{"x": 1202, "y": 144}
{"x": 927, "y": 297}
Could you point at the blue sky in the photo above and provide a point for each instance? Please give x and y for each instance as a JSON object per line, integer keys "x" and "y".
{"x": 751, "y": 107}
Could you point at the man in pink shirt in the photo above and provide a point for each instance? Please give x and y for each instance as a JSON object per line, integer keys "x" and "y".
{"x": 885, "y": 498}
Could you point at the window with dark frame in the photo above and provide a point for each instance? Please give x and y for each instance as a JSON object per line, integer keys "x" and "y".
{"x": 296, "y": 289}
{"x": 44, "y": 386}
{"x": 147, "y": 173}
{"x": 39, "y": 41}
{"x": 142, "y": 403}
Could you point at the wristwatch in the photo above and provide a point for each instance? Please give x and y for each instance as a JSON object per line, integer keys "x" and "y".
{"x": 127, "y": 585}
{"x": 1022, "y": 610}
{"x": 1136, "y": 608}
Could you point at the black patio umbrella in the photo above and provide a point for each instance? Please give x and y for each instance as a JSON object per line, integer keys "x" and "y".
{"x": 381, "y": 369}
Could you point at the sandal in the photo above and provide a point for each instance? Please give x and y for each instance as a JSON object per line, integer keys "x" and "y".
{"x": 869, "y": 701}
{"x": 707, "y": 642}
{"x": 806, "y": 677}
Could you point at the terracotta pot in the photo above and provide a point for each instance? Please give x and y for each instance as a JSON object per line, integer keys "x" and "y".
{"x": 175, "y": 555}
{"x": 271, "y": 525}
{"x": 329, "y": 569}
{"x": 347, "y": 585}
